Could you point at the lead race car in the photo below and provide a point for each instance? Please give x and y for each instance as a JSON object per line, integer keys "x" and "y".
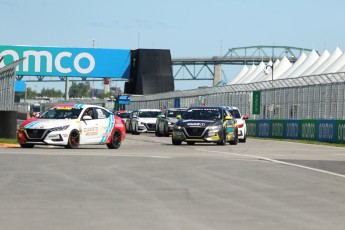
{"x": 205, "y": 124}
{"x": 71, "y": 125}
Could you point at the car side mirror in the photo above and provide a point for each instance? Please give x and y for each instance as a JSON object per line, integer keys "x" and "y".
{"x": 245, "y": 117}
{"x": 178, "y": 116}
{"x": 87, "y": 117}
{"x": 134, "y": 116}
{"x": 161, "y": 116}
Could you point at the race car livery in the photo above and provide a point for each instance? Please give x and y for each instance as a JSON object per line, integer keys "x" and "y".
{"x": 202, "y": 124}
{"x": 241, "y": 122}
{"x": 166, "y": 121}
{"x": 71, "y": 125}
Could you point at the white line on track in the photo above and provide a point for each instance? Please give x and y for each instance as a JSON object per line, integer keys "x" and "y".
{"x": 278, "y": 162}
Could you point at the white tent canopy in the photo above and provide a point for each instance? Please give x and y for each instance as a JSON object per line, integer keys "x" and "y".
{"x": 249, "y": 72}
{"x": 263, "y": 71}
{"x": 309, "y": 61}
{"x": 334, "y": 56}
{"x": 260, "y": 68}
{"x": 242, "y": 72}
{"x": 336, "y": 65}
{"x": 284, "y": 65}
{"x": 313, "y": 64}
{"x": 316, "y": 64}
{"x": 295, "y": 66}
{"x": 267, "y": 72}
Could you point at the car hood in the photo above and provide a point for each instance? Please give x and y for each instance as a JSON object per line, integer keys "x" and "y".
{"x": 172, "y": 119}
{"x": 197, "y": 123}
{"x": 46, "y": 123}
{"x": 149, "y": 120}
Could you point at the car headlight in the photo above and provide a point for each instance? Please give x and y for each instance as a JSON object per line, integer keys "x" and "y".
{"x": 215, "y": 128}
{"x": 177, "y": 127}
{"x": 170, "y": 123}
{"x": 59, "y": 128}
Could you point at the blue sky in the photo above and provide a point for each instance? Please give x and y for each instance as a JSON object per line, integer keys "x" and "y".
{"x": 188, "y": 28}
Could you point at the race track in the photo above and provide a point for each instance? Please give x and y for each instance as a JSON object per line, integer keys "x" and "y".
{"x": 150, "y": 184}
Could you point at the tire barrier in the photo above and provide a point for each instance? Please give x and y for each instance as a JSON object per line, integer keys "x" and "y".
{"x": 323, "y": 130}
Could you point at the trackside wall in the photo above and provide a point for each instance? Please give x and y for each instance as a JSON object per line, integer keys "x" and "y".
{"x": 323, "y": 130}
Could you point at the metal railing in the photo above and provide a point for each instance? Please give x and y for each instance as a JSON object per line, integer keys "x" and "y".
{"x": 316, "y": 96}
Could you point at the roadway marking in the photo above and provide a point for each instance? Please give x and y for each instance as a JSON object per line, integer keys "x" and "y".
{"x": 278, "y": 162}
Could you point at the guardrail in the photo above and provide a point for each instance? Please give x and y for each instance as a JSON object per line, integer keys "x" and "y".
{"x": 323, "y": 130}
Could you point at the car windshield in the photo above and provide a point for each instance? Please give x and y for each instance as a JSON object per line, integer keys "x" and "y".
{"x": 203, "y": 114}
{"x": 61, "y": 113}
{"x": 149, "y": 113}
{"x": 175, "y": 113}
{"x": 235, "y": 113}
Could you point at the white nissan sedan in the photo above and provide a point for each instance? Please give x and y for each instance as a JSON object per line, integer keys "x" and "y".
{"x": 71, "y": 125}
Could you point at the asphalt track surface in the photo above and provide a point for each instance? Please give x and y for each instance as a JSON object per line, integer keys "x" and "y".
{"x": 150, "y": 184}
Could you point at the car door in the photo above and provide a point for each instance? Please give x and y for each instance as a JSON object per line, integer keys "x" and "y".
{"x": 91, "y": 129}
{"x": 106, "y": 123}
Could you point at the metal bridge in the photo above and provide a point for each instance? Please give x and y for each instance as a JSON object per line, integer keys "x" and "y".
{"x": 192, "y": 68}
{"x": 209, "y": 68}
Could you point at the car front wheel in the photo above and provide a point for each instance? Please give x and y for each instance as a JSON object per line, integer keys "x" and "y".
{"x": 115, "y": 140}
{"x": 176, "y": 142}
{"x": 73, "y": 140}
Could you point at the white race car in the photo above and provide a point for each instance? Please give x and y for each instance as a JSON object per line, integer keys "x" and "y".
{"x": 144, "y": 120}
{"x": 241, "y": 123}
{"x": 71, "y": 125}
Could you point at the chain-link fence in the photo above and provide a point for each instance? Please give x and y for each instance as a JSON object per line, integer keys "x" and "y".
{"x": 317, "y": 96}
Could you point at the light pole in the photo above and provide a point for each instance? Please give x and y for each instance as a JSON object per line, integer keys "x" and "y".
{"x": 273, "y": 96}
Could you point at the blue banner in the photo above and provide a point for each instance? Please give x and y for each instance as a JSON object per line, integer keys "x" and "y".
{"x": 326, "y": 130}
{"x": 292, "y": 129}
{"x": 264, "y": 128}
{"x": 68, "y": 62}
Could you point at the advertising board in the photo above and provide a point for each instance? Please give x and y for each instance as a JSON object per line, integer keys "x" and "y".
{"x": 69, "y": 62}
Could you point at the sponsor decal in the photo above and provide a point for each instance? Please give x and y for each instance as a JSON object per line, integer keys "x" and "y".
{"x": 110, "y": 127}
{"x": 90, "y": 131}
{"x": 199, "y": 124}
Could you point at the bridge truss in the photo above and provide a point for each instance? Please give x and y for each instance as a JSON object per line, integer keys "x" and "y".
{"x": 204, "y": 68}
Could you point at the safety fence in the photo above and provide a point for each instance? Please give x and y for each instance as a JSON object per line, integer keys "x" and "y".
{"x": 312, "y": 97}
{"x": 323, "y": 130}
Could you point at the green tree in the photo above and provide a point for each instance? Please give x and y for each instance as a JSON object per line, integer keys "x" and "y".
{"x": 105, "y": 95}
{"x": 51, "y": 92}
{"x": 79, "y": 90}
{"x": 30, "y": 94}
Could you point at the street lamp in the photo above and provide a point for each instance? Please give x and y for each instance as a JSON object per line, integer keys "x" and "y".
{"x": 270, "y": 66}
{"x": 273, "y": 96}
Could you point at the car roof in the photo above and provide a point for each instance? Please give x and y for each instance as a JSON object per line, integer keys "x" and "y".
{"x": 207, "y": 107}
{"x": 231, "y": 107}
{"x": 176, "y": 109}
{"x": 75, "y": 105}
{"x": 158, "y": 110}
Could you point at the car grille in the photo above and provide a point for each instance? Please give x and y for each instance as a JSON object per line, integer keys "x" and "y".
{"x": 151, "y": 127}
{"x": 195, "y": 132}
{"x": 35, "y": 133}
